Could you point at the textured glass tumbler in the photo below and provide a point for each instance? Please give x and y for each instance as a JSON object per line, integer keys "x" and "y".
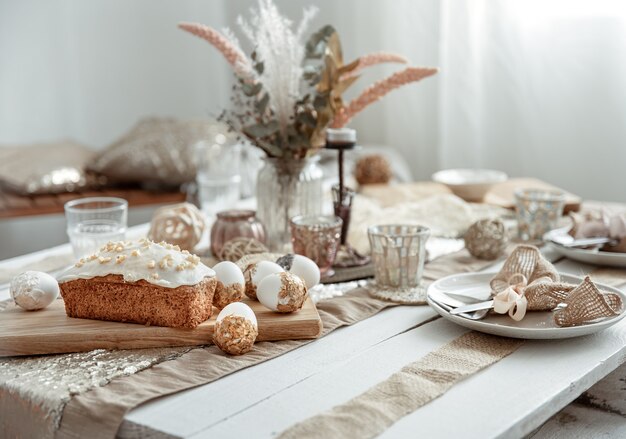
{"x": 317, "y": 237}
{"x": 538, "y": 211}
{"x": 398, "y": 255}
{"x": 92, "y": 222}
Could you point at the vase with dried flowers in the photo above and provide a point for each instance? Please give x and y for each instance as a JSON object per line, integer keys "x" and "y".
{"x": 287, "y": 92}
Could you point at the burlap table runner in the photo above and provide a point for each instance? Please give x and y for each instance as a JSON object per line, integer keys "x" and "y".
{"x": 415, "y": 385}
{"x": 98, "y": 412}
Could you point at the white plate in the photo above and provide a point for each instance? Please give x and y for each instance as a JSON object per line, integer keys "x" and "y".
{"x": 535, "y": 325}
{"x": 594, "y": 257}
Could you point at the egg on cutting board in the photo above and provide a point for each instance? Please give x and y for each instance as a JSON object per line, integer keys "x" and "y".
{"x": 282, "y": 292}
{"x": 255, "y": 273}
{"x": 236, "y": 329}
{"x": 230, "y": 284}
{"x": 301, "y": 266}
{"x": 33, "y": 290}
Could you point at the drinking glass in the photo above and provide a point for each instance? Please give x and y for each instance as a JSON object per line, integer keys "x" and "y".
{"x": 218, "y": 176}
{"x": 317, "y": 237}
{"x": 92, "y": 222}
{"x": 398, "y": 255}
{"x": 538, "y": 211}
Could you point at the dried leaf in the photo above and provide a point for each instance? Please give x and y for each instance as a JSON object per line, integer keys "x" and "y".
{"x": 261, "y": 105}
{"x": 259, "y": 130}
{"x": 316, "y": 44}
{"x": 251, "y": 89}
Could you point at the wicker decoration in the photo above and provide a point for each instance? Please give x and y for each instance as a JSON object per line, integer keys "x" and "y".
{"x": 180, "y": 224}
{"x": 237, "y": 248}
{"x": 373, "y": 169}
{"x": 486, "y": 239}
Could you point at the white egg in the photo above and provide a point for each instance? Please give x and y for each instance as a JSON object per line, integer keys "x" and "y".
{"x": 301, "y": 266}
{"x": 34, "y": 290}
{"x": 229, "y": 273}
{"x": 282, "y": 292}
{"x": 256, "y": 273}
{"x": 238, "y": 309}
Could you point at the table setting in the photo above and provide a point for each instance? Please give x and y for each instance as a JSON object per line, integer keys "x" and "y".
{"x": 345, "y": 306}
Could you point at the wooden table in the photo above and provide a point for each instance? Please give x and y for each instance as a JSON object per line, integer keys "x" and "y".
{"x": 512, "y": 398}
{"x": 12, "y": 206}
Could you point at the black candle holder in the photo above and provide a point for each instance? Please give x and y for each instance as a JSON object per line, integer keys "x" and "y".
{"x": 342, "y": 140}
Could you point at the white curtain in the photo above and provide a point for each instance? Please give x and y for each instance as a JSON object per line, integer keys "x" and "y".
{"x": 533, "y": 87}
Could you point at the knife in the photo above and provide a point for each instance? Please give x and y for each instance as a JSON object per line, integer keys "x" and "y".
{"x": 473, "y": 307}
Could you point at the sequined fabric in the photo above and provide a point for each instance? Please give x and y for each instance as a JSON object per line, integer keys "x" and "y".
{"x": 48, "y": 382}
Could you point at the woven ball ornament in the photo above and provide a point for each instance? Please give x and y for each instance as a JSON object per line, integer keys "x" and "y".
{"x": 180, "y": 224}
{"x": 237, "y": 248}
{"x": 373, "y": 169}
{"x": 486, "y": 239}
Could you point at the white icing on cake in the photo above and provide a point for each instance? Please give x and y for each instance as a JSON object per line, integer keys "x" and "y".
{"x": 160, "y": 264}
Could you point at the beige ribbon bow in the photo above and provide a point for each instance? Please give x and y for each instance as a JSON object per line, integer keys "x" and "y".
{"x": 512, "y": 299}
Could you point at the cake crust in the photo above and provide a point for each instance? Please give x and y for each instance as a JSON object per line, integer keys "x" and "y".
{"x": 112, "y": 298}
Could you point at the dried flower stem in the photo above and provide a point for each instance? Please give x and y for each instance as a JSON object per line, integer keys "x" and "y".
{"x": 373, "y": 59}
{"x": 235, "y": 57}
{"x": 379, "y": 89}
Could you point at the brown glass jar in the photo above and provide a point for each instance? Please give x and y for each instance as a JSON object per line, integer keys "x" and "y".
{"x": 232, "y": 224}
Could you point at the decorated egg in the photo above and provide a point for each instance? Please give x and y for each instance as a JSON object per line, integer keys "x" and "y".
{"x": 301, "y": 266}
{"x": 255, "y": 273}
{"x": 236, "y": 329}
{"x": 282, "y": 292}
{"x": 34, "y": 290}
{"x": 230, "y": 284}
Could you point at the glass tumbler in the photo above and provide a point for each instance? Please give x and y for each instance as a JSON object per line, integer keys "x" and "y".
{"x": 317, "y": 237}
{"x": 538, "y": 211}
{"x": 398, "y": 253}
{"x": 218, "y": 175}
{"x": 92, "y": 222}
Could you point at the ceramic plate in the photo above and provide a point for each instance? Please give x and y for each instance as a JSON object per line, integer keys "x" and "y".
{"x": 535, "y": 325}
{"x": 595, "y": 256}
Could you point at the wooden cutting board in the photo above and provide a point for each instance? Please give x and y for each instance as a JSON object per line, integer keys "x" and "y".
{"x": 50, "y": 331}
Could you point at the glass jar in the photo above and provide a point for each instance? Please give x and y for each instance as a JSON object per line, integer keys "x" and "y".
{"x": 287, "y": 188}
{"x": 232, "y": 224}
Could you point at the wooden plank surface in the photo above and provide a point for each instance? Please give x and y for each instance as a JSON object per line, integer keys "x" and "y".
{"x": 50, "y": 331}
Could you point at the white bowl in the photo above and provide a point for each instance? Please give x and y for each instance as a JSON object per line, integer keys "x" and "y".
{"x": 469, "y": 184}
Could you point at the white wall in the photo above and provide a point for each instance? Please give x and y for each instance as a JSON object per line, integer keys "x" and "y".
{"x": 529, "y": 87}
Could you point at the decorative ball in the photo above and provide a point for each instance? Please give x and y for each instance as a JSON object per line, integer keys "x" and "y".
{"x": 373, "y": 169}
{"x": 33, "y": 290}
{"x": 237, "y": 248}
{"x": 486, "y": 239}
{"x": 230, "y": 284}
{"x": 255, "y": 273}
{"x": 302, "y": 267}
{"x": 282, "y": 292}
{"x": 236, "y": 329}
{"x": 180, "y": 224}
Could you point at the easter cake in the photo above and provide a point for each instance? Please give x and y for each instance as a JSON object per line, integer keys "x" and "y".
{"x": 140, "y": 282}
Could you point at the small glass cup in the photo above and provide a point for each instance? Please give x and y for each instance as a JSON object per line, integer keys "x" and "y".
{"x": 218, "y": 175}
{"x": 538, "y": 212}
{"x": 92, "y": 222}
{"x": 317, "y": 237}
{"x": 398, "y": 254}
